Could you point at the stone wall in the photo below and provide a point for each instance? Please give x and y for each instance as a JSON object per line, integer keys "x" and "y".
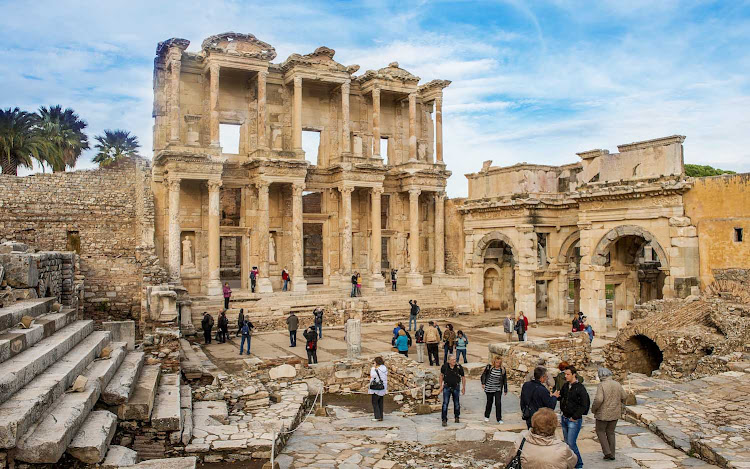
{"x": 101, "y": 214}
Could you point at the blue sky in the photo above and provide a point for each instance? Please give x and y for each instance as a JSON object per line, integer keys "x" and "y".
{"x": 533, "y": 81}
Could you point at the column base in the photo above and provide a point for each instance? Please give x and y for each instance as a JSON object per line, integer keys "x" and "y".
{"x": 214, "y": 288}
{"x": 437, "y": 278}
{"x": 414, "y": 279}
{"x": 264, "y": 285}
{"x": 299, "y": 284}
{"x": 376, "y": 282}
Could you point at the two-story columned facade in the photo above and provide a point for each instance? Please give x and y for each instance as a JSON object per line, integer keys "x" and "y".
{"x": 373, "y": 200}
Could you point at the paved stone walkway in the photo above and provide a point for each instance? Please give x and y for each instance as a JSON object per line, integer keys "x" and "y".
{"x": 349, "y": 439}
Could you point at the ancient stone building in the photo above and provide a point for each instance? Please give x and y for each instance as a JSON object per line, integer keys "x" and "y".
{"x": 373, "y": 200}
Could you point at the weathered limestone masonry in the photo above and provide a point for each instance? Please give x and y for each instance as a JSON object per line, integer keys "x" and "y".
{"x": 105, "y": 216}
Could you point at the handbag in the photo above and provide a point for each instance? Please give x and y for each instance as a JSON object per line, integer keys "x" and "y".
{"x": 377, "y": 385}
{"x": 515, "y": 463}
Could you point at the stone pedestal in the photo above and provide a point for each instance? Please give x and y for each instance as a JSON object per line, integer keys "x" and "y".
{"x": 264, "y": 285}
{"x": 414, "y": 279}
{"x": 353, "y": 338}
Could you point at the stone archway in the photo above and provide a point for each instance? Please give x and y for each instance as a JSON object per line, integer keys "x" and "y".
{"x": 483, "y": 243}
{"x": 599, "y": 256}
{"x": 494, "y": 252}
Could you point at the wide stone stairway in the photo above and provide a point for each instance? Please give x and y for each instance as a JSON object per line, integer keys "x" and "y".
{"x": 64, "y": 385}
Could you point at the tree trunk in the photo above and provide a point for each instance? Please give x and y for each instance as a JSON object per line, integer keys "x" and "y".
{"x": 9, "y": 167}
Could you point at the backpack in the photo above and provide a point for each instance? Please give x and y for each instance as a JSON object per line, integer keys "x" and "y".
{"x": 575, "y": 324}
{"x": 210, "y": 321}
{"x": 252, "y": 275}
{"x": 310, "y": 345}
{"x": 245, "y": 329}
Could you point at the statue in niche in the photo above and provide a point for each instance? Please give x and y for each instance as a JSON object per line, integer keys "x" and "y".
{"x": 187, "y": 252}
{"x": 271, "y": 249}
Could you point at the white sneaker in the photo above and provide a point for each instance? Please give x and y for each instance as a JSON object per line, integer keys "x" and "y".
{"x": 486, "y": 419}
{"x": 374, "y": 420}
{"x": 500, "y": 422}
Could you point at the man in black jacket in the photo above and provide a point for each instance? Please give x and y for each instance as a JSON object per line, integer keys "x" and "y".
{"x": 574, "y": 404}
{"x": 207, "y": 324}
{"x": 535, "y": 395}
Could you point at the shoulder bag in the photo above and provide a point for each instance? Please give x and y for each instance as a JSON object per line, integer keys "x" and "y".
{"x": 377, "y": 384}
{"x": 515, "y": 463}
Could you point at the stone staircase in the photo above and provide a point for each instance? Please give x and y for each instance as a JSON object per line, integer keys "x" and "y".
{"x": 382, "y": 306}
{"x": 41, "y": 417}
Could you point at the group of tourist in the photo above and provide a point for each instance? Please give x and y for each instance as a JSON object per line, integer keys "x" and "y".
{"x": 520, "y": 326}
{"x": 244, "y": 329}
{"x": 312, "y": 334}
{"x": 580, "y": 324}
{"x": 356, "y": 284}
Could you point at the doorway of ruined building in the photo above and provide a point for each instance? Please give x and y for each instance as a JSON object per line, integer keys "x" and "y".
{"x": 311, "y": 145}
{"x": 542, "y": 299}
{"x": 574, "y": 295}
{"x": 642, "y": 355}
{"x": 499, "y": 277}
{"x": 230, "y": 264}
{"x": 231, "y": 204}
{"x": 312, "y": 246}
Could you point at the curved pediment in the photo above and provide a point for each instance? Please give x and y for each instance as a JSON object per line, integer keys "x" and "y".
{"x": 164, "y": 46}
{"x": 321, "y": 59}
{"x": 392, "y": 72}
{"x": 245, "y": 45}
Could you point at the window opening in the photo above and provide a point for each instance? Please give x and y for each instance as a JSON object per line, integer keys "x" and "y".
{"x": 384, "y": 148}
{"x": 739, "y": 235}
{"x": 311, "y": 145}
{"x": 229, "y": 138}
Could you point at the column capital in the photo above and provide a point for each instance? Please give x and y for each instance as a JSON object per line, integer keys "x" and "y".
{"x": 439, "y": 102}
{"x": 173, "y": 183}
{"x": 346, "y": 189}
{"x": 214, "y": 69}
{"x": 415, "y": 191}
{"x": 440, "y": 195}
{"x": 346, "y": 84}
{"x": 297, "y": 82}
{"x": 375, "y": 91}
{"x": 262, "y": 186}
{"x": 377, "y": 190}
{"x": 263, "y": 74}
{"x": 413, "y": 96}
{"x": 213, "y": 185}
{"x": 298, "y": 188}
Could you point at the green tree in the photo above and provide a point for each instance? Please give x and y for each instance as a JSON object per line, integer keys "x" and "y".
{"x": 699, "y": 171}
{"x": 63, "y": 129}
{"x": 20, "y": 140}
{"x": 115, "y": 145}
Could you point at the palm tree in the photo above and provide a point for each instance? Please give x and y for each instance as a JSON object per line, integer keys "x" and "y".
{"x": 115, "y": 145}
{"x": 20, "y": 140}
{"x": 64, "y": 131}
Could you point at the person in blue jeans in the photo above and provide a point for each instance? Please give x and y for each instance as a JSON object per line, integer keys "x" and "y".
{"x": 318, "y": 315}
{"x": 452, "y": 384}
{"x": 461, "y": 343}
{"x": 413, "y": 314}
{"x": 247, "y": 332}
{"x": 574, "y": 404}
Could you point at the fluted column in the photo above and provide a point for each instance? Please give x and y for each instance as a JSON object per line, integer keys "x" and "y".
{"x": 412, "y": 126}
{"x": 175, "y": 248}
{"x": 175, "y": 61}
{"x": 214, "y": 220}
{"x": 262, "y": 140}
{"x": 298, "y": 277}
{"x": 213, "y": 105}
{"x": 439, "y": 130}
{"x": 377, "y": 253}
{"x": 346, "y": 241}
{"x": 346, "y": 138}
{"x": 440, "y": 233}
{"x": 414, "y": 230}
{"x": 297, "y": 115}
{"x": 264, "y": 281}
{"x": 376, "y": 122}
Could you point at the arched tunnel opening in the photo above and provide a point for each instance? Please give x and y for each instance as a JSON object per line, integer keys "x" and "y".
{"x": 642, "y": 355}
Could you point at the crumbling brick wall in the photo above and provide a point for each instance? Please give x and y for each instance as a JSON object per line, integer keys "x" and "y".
{"x": 100, "y": 209}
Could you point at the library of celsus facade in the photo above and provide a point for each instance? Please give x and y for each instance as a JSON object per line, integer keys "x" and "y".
{"x": 373, "y": 201}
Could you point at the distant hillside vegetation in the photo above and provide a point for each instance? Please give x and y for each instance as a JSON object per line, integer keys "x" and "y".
{"x": 699, "y": 171}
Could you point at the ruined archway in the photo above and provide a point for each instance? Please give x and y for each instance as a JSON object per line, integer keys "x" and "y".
{"x": 569, "y": 258}
{"x": 498, "y": 290}
{"x": 641, "y": 355}
{"x": 486, "y": 240}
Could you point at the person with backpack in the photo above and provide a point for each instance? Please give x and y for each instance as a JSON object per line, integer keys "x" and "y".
{"x": 535, "y": 395}
{"x": 449, "y": 341}
{"x": 432, "y": 340}
{"x": 378, "y": 387}
{"x": 223, "y": 327}
{"x": 285, "y": 278}
{"x": 574, "y": 404}
{"x": 413, "y": 313}
{"x": 461, "y": 342}
{"x": 292, "y": 323}
{"x": 240, "y": 321}
{"x": 354, "y": 285}
{"x": 312, "y": 345}
{"x": 576, "y": 322}
{"x": 394, "y": 279}
{"x": 207, "y": 324}
{"x": 247, "y": 332}
{"x": 494, "y": 381}
{"x": 419, "y": 337}
{"x": 253, "y": 278}
{"x": 539, "y": 448}
{"x": 402, "y": 343}
{"x": 227, "y": 291}
{"x": 452, "y": 384}
{"x": 318, "y": 321}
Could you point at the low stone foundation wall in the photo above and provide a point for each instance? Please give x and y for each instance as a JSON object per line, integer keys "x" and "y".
{"x": 521, "y": 357}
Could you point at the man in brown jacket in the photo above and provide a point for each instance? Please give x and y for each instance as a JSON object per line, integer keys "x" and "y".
{"x": 432, "y": 339}
{"x": 607, "y": 408}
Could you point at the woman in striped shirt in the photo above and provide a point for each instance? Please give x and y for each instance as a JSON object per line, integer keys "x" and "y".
{"x": 494, "y": 382}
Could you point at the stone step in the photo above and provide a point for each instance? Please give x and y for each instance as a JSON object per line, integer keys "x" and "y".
{"x": 119, "y": 456}
{"x": 11, "y": 315}
{"x": 46, "y": 441}
{"x": 92, "y": 440}
{"x": 16, "y": 340}
{"x": 29, "y": 404}
{"x": 169, "y": 463}
{"x": 186, "y": 409}
{"x": 121, "y": 387}
{"x": 18, "y": 371}
{"x": 166, "y": 416}
{"x": 141, "y": 400}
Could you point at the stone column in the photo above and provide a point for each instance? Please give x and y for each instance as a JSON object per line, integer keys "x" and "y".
{"x": 439, "y": 130}
{"x": 175, "y": 245}
{"x": 439, "y": 233}
{"x": 414, "y": 278}
{"x": 346, "y": 238}
{"x": 412, "y": 127}
{"x": 244, "y": 222}
{"x": 346, "y": 138}
{"x": 527, "y": 263}
{"x": 264, "y": 281}
{"x": 214, "y": 220}
{"x": 213, "y": 105}
{"x": 175, "y": 62}
{"x": 297, "y": 115}
{"x": 298, "y": 274}
{"x": 376, "y": 123}
{"x": 353, "y": 338}
{"x": 375, "y": 238}
{"x": 262, "y": 140}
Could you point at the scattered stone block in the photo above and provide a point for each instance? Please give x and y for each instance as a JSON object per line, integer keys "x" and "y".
{"x": 122, "y": 331}
{"x": 119, "y": 456}
{"x": 91, "y": 443}
{"x": 166, "y": 413}
{"x": 141, "y": 402}
{"x": 283, "y": 371}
